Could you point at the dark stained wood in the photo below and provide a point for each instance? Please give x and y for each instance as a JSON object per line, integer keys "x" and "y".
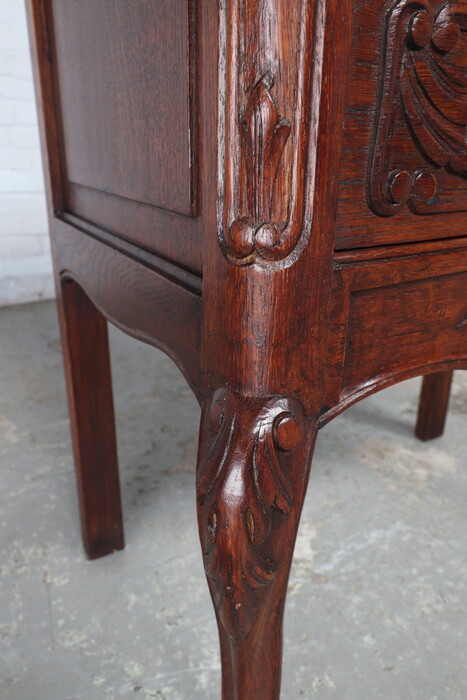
{"x": 130, "y": 63}
{"x": 405, "y": 149}
{"x": 142, "y": 224}
{"x": 264, "y": 445}
{"x": 89, "y": 385}
{"x": 291, "y": 233}
{"x": 393, "y": 317}
{"x": 421, "y": 116}
{"x": 256, "y": 360}
{"x": 109, "y": 270}
{"x": 266, "y": 148}
{"x": 433, "y": 408}
{"x": 124, "y": 82}
{"x": 434, "y": 333}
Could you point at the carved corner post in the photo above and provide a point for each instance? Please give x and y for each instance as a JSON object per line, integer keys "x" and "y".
{"x": 266, "y": 282}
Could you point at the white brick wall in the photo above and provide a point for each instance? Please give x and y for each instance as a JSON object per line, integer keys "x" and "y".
{"x": 25, "y": 264}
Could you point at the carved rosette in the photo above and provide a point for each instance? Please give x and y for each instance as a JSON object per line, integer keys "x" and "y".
{"x": 267, "y": 126}
{"x": 252, "y": 454}
{"x": 423, "y": 97}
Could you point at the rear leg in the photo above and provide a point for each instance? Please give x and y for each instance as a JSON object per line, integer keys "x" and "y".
{"x": 89, "y": 388}
{"x": 433, "y": 407}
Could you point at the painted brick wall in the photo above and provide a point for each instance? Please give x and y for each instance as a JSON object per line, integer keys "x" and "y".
{"x": 25, "y": 264}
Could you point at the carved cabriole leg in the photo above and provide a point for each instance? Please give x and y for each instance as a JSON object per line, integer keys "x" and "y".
{"x": 270, "y": 196}
{"x": 253, "y": 467}
{"x": 433, "y": 407}
{"x": 89, "y": 388}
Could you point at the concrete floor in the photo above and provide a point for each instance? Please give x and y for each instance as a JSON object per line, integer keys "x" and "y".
{"x": 377, "y": 606}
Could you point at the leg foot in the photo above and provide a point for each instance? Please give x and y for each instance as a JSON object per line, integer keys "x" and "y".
{"x": 89, "y": 388}
{"x": 254, "y": 461}
{"x": 433, "y": 407}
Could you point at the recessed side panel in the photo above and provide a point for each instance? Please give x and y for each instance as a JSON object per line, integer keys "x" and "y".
{"x": 125, "y": 90}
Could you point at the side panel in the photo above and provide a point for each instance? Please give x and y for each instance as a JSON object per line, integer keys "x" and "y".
{"x": 125, "y": 78}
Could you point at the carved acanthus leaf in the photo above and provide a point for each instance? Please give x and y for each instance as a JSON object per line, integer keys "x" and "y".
{"x": 245, "y": 496}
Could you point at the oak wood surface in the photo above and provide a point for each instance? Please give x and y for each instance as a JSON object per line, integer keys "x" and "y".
{"x": 114, "y": 60}
{"x": 174, "y": 324}
{"x": 406, "y": 118}
{"x": 89, "y": 385}
{"x": 122, "y": 83}
{"x": 275, "y": 194}
{"x": 394, "y": 317}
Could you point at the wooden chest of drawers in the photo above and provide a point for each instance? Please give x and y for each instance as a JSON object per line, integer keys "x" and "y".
{"x": 275, "y": 194}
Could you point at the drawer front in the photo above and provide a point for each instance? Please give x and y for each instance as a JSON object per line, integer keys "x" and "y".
{"x": 409, "y": 325}
{"x": 404, "y": 162}
{"x": 393, "y": 318}
{"x": 125, "y": 93}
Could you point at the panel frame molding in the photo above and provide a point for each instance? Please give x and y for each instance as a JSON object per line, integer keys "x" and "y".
{"x": 192, "y": 107}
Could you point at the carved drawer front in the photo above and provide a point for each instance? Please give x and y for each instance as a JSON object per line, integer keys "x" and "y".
{"x": 124, "y": 91}
{"x": 405, "y": 137}
{"x": 402, "y": 312}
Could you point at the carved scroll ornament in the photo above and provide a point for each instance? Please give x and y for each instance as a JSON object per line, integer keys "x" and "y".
{"x": 251, "y": 455}
{"x": 420, "y": 147}
{"x": 269, "y": 66}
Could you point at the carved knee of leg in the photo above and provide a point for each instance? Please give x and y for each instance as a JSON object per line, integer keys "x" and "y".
{"x": 252, "y": 474}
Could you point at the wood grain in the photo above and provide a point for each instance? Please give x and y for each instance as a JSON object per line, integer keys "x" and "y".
{"x": 415, "y": 324}
{"x": 272, "y": 211}
{"x": 89, "y": 384}
{"x": 107, "y": 276}
{"x": 424, "y": 98}
{"x": 252, "y": 474}
{"x": 125, "y": 119}
{"x": 405, "y": 125}
{"x": 269, "y": 64}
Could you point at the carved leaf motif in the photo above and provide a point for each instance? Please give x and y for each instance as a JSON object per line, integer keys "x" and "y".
{"x": 264, "y": 135}
{"x": 436, "y": 109}
{"x": 244, "y": 496}
{"x": 425, "y": 81}
{"x": 268, "y": 163}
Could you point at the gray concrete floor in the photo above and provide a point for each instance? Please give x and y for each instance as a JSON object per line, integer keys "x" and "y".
{"x": 377, "y": 605}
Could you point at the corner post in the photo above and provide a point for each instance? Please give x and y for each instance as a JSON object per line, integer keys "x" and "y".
{"x": 269, "y": 199}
